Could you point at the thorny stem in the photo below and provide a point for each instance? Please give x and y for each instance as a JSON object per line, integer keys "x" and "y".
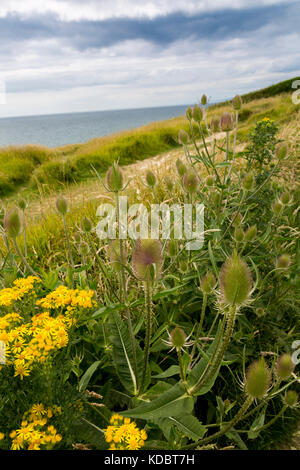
{"x": 68, "y": 242}
{"x": 199, "y": 329}
{"x": 148, "y": 307}
{"x": 182, "y": 374}
{"x": 234, "y": 143}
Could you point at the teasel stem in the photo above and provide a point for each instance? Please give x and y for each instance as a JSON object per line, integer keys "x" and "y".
{"x": 182, "y": 373}
{"x": 234, "y": 143}
{"x": 26, "y": 264}
{"x": 124, "y": 292}
{"x": 25, "y": 233}
{"x": 68, "y": 241}
{"x": 207, "y": 153}
{"x": 247, "y": 403}
{"x": 199, "y": 329}
{"x": 227, "y": 155}
{"x": 217, "y": 356}
{"x": 148, "y": 306}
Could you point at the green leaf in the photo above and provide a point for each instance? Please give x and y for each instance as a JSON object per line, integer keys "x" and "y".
{"x": 123, "y": 355}
{"x": 188, "y": 424}
{"x": 199, "y": 368}
{"x": 235, "y": 437}
{"x": 84, "y": 381}
{"x": 173, "y": 370}
{"x": 173, "y": 402}
{"x": 258, "y": 423}
{"x": 157, "y": 389}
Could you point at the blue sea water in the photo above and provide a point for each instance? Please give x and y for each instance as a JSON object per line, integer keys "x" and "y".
{"x": 61, "y": 129}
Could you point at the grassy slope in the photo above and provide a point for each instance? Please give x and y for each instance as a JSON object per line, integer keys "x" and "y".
{"x": 36, "y": 169}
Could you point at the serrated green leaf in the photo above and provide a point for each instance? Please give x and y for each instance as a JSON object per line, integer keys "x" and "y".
{"x": 188, "y": 424}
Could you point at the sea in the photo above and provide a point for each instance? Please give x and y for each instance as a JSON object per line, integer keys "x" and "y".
{"x": 54, "y": 130}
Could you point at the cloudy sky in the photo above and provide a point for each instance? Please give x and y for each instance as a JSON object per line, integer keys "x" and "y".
{"x": 80, "y": 55}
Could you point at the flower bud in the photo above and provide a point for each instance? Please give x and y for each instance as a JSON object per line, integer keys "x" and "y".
{"x": 12, "y": 223}
{"x": 197, "y": 113}
{"x": 248, "y": 181}
{"x": 283, "y": 261}
{"x": 291, "y": 398}
{"x": 285, "y": 198}
{"x": 209, "y": 181}
{"x": 281, "y": 151}
{"x": 190, "y": 181}
{"x": 86, "y": 225}
{"x": 226, "y": 122}
{"x": 250, "y": 233}
{"x": 114, "y": 178}
{"x": 208, "y": 283}
{"x": 172, "y": 248}
{"x": 169, "y": 183}
{"x": 257, "y": 379}
{"x": 237, "y": 102}
{"x": 215, "y": 124}
{"x": 189, "y": 113}
{"x": 239, "y": 234}
{"x": 146, "y": 255}
{"x": 178, "y": 337}
{"x": 204, "y": 100}
{"x": 150, "y": 178}
{"x": 284, "y": 367}
{"x": 181, "y": 168}
{"x": 235, "y": 280}
{"x": 61, "y": 205}
{"x": 183, "y": 137}
{"x": 277, "y": 207}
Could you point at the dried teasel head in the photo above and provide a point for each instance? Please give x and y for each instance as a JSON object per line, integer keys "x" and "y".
{"x": 226, "y": 122}
{"x": 147, "y": 259}
{"x": 235, "y": 281}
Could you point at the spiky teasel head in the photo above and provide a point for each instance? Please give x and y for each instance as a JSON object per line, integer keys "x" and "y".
{"x": 172, "y": 248}
{"x": 208, "y": 283}
{"x": 61, "y": 205}
{"x": 283, "y": 262}
{"x": 277, "y": 207}
{"x": 285, "y": 198}
{"x": 235, "y": 281}
{"x": 248, "y": 181}
{"x": 113, "y": 254}
{"x": 257, "y": 380}
{"x": 189, "y": 113}
{"x": 281, "y": 151}
{"x": 236, "y": 219}
{"x": 291, "y": 398}
{"x": 86, "y": 225}
{"x": 83, "y": 248}
{"x": 260, "y": 312}
{"x": 237, "y": 102}
{"x": 250, "y": 233}
{"x": 22, "y": 204}
{"x": 226, "y": 122}
{"x": 169, "y": 183}
{"x": 147, "y": 259}
{"x": 190, "y": 181}
{"x": 209, "y": 181}
{"x": 284, "y": 367}
{"x": 239, "y": 234}
{"x": 178, "y": 339}
{"x": 215, "y": 124}
{"x": 183, "y": 137}
{"x": 197, "y": 113}
{"x": 12, "y": 223}
{"x": 204, "y": 100}
{"x": 150, "y": 179}
{"x": 114, "y": 178}
{"x": 181, "y": 168}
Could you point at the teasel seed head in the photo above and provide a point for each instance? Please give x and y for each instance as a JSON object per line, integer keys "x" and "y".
{"x": 172, "y": 248}
{"x": 209, "y": 181}
{"x": 257, "y": 379}
{"x": 204, "y": 100}
{"x": 113, "y": 254}
{"x": 181, "y": 168}
{"x": 277, "y": 207}
{"x": 235, "y": 281}
{"x": 250, "y": 233}
{"x": 77, "y": 237}
{"x": 236, "y": 219}
{"x": 216, "y": 197}
{"x": 215, "y": 124}
{"x": 239, "y": 234}
{"x": 169, "y": 183}
{"x": 226, "y": 122}
{"x": 281, "y": 151}
{"x": 285, "y": 198}
{"x": 291, "y": 398}
{"x": 147, "y": 259}
{"x": 22, "y": 204}
{"x": 61, "y": 205}
{"x": 178, "y": 338}
{"x": 183, "y": 137}
{"x": 190, "y": 181}
{"x": 12, "y": 223}
{"x": 284, "y": 366}
{"x": 114, "y": 178}
{"x": 189, "y": 113}
{"x": 237, "y": 102}
{"x": 248, "y": 181}
{"x": 183, "y": 266}
{"x": 150, "y": 179}
{"x": 208, "y": 283}
{"x": 197, "y": 113}
{"x": 283, "y": 261}
{"x": 86, "y": 225}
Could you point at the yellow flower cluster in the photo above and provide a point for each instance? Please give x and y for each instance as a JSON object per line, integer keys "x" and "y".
{"x": 32, "y": 342}
{"x": 17, "y": 292}
{"x": 70, "y": 299}
{"x": 123, "y": 434}
{"x": 34, "y": 433}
